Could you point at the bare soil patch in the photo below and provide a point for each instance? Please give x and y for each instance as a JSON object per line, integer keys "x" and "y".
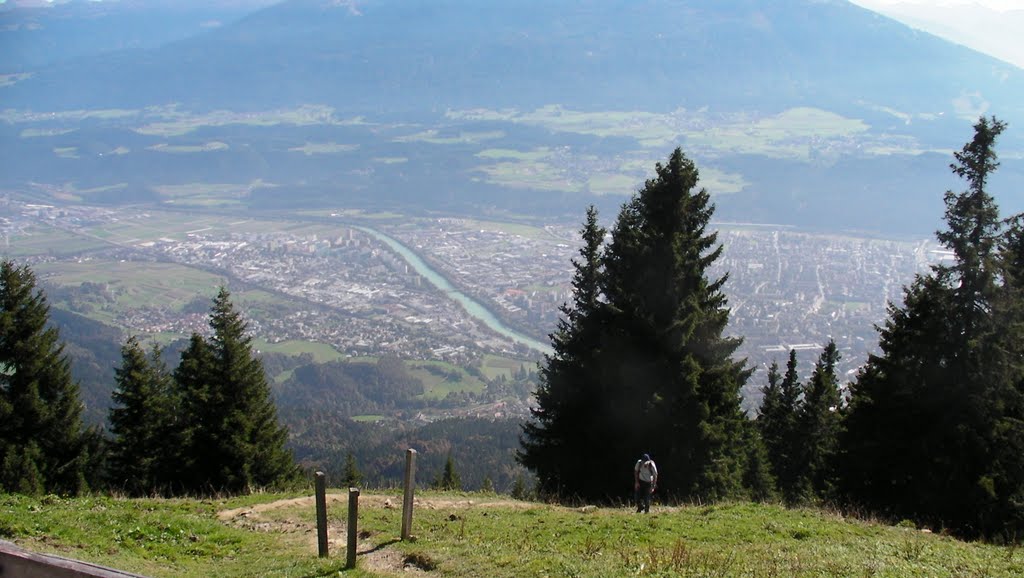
{"x": 378, "y": 559}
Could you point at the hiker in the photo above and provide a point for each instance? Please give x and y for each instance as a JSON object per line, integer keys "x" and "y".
{"x": 645, "y": 479}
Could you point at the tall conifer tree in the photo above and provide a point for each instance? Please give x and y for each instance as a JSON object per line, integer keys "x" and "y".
{"x": 199, "y": 423}
{"x": 42, "y": 445}
{"x": 776, "y": 422}
{"x": 932, "y": 417}
{"x": 675, "y": 377}
{"x": 817, "y": 429}
{"x": 234, "y": 440}
{"x": 656, "y": 369}
{"x": 557, "y": 445}
{"x": 143, "y": 453}
{"x": 449, "y": 480}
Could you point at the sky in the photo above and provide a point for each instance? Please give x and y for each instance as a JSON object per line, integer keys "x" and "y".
{"x": 990, "y": 26}
{"x": 998, "y": 5}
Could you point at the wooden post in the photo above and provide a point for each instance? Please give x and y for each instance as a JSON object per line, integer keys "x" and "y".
{"x": 353, "y": 531}
{"x": 321, "y": 513}
{"x": 410, "y": 483}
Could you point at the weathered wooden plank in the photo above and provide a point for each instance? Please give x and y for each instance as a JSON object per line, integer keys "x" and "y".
{"x": 16, "y": 562}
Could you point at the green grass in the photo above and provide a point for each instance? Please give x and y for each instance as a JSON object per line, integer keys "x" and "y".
{"x": 456, "y": 534}
{"x": 530, "y": 174}
{"x": 443, "y": 378}
{"x": 321, "y": 352}
{"x": 789, "y": 134}
{"x": 318, "y": 148}
{"x": 43, "y": 240}
{"x": 169, "y": 121}
{"x": 156, "y": 537}
{"x": 494, "y": 365}
{"x": 43, "y": 132}
{"x": 205, "y": 147}
{"x": 131, "y": 286}
{"x": 434, "y": 136}
{"x": 522, "y": 230}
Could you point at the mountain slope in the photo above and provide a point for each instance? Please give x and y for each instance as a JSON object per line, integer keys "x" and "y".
{"x": 814, "y": 113}
{"x": 388, "y": 56}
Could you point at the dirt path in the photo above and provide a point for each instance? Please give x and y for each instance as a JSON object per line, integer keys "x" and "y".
{"x": 373, "y": 501}
{"x": 384, "y": 560}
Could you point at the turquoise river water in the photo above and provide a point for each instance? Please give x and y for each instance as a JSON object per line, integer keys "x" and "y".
{"x": 473, "y": 307}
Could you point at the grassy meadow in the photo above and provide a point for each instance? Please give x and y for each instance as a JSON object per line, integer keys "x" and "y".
{"x": 457, "y": 534}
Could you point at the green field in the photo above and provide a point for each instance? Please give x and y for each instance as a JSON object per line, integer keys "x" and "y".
{"x": 528, "y": 231}
{"x": 495, "y": 366}
{"x": 321, "y": 352}
{"x": 322, "y": 148}
{"x": 129, "y": 286}
{"x": 444, "y": 378}
{"x": 137, "y": 283}
{"x": 457, "y": 534}
{"x": 137, "y": 229}
{"x": 170, "y": 121}
{"x": 434, "y": 136}
{"x": 203, "y": 148}
{"x": 41, "y": 240}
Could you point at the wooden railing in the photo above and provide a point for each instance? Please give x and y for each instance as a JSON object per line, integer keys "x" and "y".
{"x": 17, "y": 562}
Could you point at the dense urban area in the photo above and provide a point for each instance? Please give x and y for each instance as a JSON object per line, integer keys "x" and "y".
{"x": 787, "y": 289}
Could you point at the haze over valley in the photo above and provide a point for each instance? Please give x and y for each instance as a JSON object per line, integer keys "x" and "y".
{"x": 153, "y": 151}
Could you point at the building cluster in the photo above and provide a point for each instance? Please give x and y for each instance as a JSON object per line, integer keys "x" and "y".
{"x": 786, "y": 289}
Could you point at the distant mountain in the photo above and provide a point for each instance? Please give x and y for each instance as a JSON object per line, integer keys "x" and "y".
{"x": 35, "y": 34}
{"x": 814, "y": 113}
{"x": 390, "y": 56}
{"x": 995, "y": 32}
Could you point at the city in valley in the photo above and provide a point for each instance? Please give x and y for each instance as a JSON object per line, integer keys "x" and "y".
{"x": 332, "y": 278}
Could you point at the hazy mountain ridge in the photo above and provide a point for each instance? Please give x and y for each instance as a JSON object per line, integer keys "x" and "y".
{"x": 42, "y": 34}
{"x": 388, "y": 57}
{"x": 808, "y": 113}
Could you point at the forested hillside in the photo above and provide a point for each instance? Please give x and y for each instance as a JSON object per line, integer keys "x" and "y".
{"x": 930, "y": 430}
{"x": 640, "y": 365}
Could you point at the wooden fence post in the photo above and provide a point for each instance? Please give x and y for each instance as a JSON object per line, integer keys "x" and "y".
{"x": 410, "y": 483}
{"x": 321, "y": 513}
{"x": 353, "y": 531}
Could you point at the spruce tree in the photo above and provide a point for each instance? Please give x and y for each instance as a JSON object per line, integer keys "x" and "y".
{"x": 670, "y": 377}
{"x": 643, "y": 357}
{"x": 199, "y": 423}
{"x": 487, "y": 486}
{"x": 817, "y": 429}
{"x": 771, "y": 399}
{"x": 933, "y": 430}
{"x": 1003, "y": 509}
{"x": 558, "y": 443}
{"x": 777, "y": 422}
{"x": 519, "y": 490}
{"x": 42, "y": 445}
{"x": 351, "y": 476}
{"x": 758, "y": 479}
{"x": 143, "y": 452}
{"x": 234, "y": 441}
{"x": 771, "y": 417}
{"x": 784, "y": 442}
{"x": 450, "y": 480}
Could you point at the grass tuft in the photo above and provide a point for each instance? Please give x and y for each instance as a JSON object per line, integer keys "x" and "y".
{"x": 484, "y": 535}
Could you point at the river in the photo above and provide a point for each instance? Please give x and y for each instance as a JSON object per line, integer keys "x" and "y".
{"x": 473, "y": 307}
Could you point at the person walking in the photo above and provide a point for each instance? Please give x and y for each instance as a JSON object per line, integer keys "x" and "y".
{"x": 645, "y": 480}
